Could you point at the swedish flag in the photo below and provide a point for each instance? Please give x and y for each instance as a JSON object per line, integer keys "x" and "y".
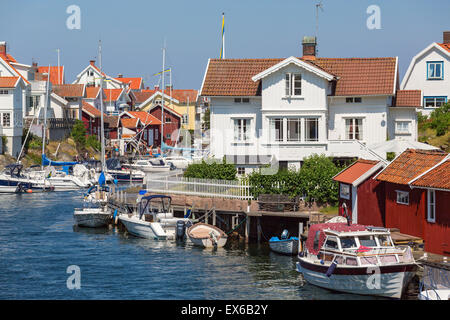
{"x": 222, "y": 49}
{"x": 167, "y": 70}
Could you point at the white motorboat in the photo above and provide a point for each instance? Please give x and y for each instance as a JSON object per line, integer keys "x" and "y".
{"x": 206, "y": 235}
{"x": 120, "y": 173}
{"x": 95, "y": 213}
{"x": 154, "y": 219}
{"x": 284, "y": 244}
{"x": 355, "y": 259}
{"x": 60, "y": 179}
{"x": 152, "y": 165}
{"x": 178, "y": 161}
{"x": 12, "y": 180}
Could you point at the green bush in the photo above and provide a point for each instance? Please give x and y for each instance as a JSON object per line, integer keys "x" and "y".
{"x": 440, "y": 119}
{"x": 203, "y": 170}
{"x": 313, "y": 180}
{"x": 79, "y": 134}
{"x": 93, "y": 142}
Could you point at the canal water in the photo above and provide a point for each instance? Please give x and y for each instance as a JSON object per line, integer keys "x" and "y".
{"x": 38, "y": 243}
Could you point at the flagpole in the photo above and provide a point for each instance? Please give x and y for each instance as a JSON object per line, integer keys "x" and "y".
{"x": 101, "y": 108}
{"x": 162, "y": 98}
{"x": 45, "y": 117}
{"x": 59, "y": 77}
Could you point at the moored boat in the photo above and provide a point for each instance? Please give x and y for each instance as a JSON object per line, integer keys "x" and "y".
{"x": 284, "y": 244}
{"x": 154, "y": 219}
{"x": 95, "y": 213}
{"x": 12, "y": 180}
{"x": 206, "y": 235}
{"x": 355, "y": 259}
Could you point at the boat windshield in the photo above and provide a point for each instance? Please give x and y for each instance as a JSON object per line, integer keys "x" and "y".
{"x": 367, "y": 241}
{"x": 385, "y": 240}
{"x": 348, "y": 243}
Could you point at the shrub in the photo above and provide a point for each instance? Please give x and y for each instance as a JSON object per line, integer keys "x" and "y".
{"x": 79, "y": 134}
{"x": 93, "y": 142}
{"x": 203, "y": 170}
{"x": 440, "y": 119}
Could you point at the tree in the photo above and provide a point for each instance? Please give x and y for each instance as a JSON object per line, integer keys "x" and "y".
{"x": 79, "y": 134}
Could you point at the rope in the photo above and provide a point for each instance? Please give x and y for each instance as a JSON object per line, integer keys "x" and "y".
{"x": 236, "y": 226}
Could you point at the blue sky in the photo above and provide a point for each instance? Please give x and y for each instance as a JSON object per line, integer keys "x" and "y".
{"x": 133, "y": 32}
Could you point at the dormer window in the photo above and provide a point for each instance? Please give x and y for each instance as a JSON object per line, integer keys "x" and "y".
{"x": 293, "y": 84}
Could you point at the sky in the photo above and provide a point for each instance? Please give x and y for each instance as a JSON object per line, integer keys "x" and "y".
{"x": 133, "y": 32}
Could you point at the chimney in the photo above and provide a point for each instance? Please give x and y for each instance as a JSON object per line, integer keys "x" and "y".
{"x": 120, "y": 75}
{"x": 446, "y": 37}
{"x": 169, "y": 87}
{"x": 92, "y": 62}
{"x": 309, "y": 47}
{"x": 157, "y": 88}
{"x": 3, "y": 48}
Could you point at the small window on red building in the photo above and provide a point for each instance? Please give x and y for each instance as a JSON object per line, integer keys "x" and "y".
{"x": 344, "y": 191}
{"x": 402, "y": 197}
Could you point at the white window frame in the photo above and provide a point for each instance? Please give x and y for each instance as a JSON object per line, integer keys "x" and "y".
{"x": 347, "y": 132}
{"x": 272, "y": 129}
{"x": 239, "y": 169}
{"x": 435, "y": 102}
{"x": 298, "y": 123}
{"x": 342, "y": 192}
{"x": 307, "y": 120}
{"x": 431, "y": 206}
{"x": 290, "y": 83}
{"x": 7, "y": 123}
{"x": 431, "y": 67}
{"x": 401, "y": 197}
{"x": 241, "y": 135}
{"x": 400, "y": 130}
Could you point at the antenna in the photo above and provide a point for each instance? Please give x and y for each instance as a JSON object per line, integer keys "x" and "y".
{"x": 318, "y": 5}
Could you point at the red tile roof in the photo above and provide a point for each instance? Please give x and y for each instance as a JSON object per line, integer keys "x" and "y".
{"x": 69, "y": 90}
{"x": 142, "y": 96}
{"x": 355, "y": 170}
{"x": 134, "y": 83}
{"x": 130, "y": 123}
{"x": 91, "y": 110}
{"x": 408, "y": 98}
{"x": 53, "y": 74}
{"x": 112, "y": 94}
{"x": 184, "y": 95}
{"x": 438, "y": 177}
{"x": 409, "y": 165}
{"x": 8, "y": 82}
{"x": 445, "y": 46}
{"x": 145, "y": 117}
{"x": 357, "y": 76}
{"x": 92, "y": 92}
{"x": 8, "y": 59}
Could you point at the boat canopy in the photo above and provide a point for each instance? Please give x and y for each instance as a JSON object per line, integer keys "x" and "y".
{"x": 47, "y": 162}
{"x": 149, "y": 198}
{"x": 317, "y": 235}
{"x": 113, "y": 164}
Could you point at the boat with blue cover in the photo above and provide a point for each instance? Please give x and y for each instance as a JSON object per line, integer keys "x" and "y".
{"x": 12, "y": 180}
{"x": 284, "y": 244}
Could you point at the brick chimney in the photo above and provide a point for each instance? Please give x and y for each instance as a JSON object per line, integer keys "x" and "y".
{"x": 446, "y": 37}
{"x": 309, "y": 47}
{"x": 157, "y": 88}
{"x": 168, "y": 87}
{"x": 120, "y": 75}
{"x": 92, "y": 62}
{"x": 3, "y": 48}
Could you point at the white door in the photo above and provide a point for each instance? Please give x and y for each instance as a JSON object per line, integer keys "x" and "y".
{"x": 150, "y": 137}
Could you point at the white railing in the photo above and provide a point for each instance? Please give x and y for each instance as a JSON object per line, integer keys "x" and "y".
{"x": 230, "y": 189}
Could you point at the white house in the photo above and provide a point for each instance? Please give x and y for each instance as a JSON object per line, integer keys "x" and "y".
{"x": 91, "y": 76}
{"x": 429, "y": 71}
{"x": 116, "y": 101}
{"x": 295, "y": 107}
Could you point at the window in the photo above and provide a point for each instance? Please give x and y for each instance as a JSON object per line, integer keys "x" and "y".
{"x": 185, "y": 118}
{"x": 311, "y": 129}
{"x": 34, "y": 101}
{"x": 240, "y": 170}
{"x": 434, "y": 102}
{"x": 431, "y": 210}
{"x": 237, "y": 100}
{"x": 241, "y": 129}
{"x": 435, "y": 70}
{"x": 242, "y": 100}
{"x": 316, "y": 241}
{"x": 293, "y": 129}
{"x": 402, "y": 127}
{"x": 353, "y": 100}
{"x": 344, "y": 191}
{"x": 367, "y": 241}
{"x": 353, "y": 129}
{"x": 331, "y": 243}
{"x": 349, "y": 100}
{"x": 293, "y": 84}
{"x": 168, "y": 120}
{"x": 348, "y": 243}
{"x": 402, "y": 197}
{"x": 6, "y": 119}
{"x": 4, "y": 91}
{"x": 276, "y": 129}
{"x": 358, "y": 100}
{"x": 168, "y": 136}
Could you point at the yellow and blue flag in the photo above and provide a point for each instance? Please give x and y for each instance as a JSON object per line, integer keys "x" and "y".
{"x": 167, "y": 70}
{"x": 222, "y": 49}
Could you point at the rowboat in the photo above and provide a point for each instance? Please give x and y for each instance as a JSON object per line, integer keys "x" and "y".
{"x": 355, "y": 259}
{"x": 284, "y": 244}
{"x": 206, "y": 235}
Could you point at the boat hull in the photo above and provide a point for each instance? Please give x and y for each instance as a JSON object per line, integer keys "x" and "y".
{"x": 385, "y": 281}
{"x": 199, "y": 235}
{"x": 288, "y": 247}
{"x": 92, "y": 218}
{"x": 10, "y": 185}
{"x": 145, "y": 229}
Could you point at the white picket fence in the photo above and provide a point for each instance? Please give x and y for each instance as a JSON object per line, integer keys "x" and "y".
{"x": 200, "y": 187}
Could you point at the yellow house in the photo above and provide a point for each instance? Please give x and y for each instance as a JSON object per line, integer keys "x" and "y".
{"x": 182, "y": 101}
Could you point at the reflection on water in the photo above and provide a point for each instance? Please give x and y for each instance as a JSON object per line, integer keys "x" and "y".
{"x": 38, "y": 241}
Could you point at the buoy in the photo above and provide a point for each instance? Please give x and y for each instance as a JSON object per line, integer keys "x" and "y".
{"x": 29, "y": 191}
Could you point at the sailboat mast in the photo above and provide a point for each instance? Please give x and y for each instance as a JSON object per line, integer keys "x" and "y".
{"x": 162, "y": 99}
{"x": 102, "y": 134}
{"x": 45, "y": 116}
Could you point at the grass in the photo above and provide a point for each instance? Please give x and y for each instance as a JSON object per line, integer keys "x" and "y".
{"x": 331, "y": 210}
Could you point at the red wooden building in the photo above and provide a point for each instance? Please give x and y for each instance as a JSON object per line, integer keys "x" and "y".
{"x": 172, "y": 123}
{"x": 363, "y": 196}
{"x": 408, "y": 202}
{"x": 91, "y": 117}
{"x": 140, "y": 125}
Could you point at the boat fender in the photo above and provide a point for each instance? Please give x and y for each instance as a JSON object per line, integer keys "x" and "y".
{"x": 322, "y": 262}
{"x": 115, "y": 217}
{"x": 331, "y": 269}
{"x": 284, "y": 234}
{"x": 29, "y": 191}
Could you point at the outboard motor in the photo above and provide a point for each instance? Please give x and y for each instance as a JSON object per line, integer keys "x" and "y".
{"x": 181, "y": 230}
{"x": 285, "y": 234}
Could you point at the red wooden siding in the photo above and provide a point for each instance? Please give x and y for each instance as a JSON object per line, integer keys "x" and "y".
{"x": 437, "y": 238}
{"x": 371, "y": 203}
{"x": 169, "y": 128}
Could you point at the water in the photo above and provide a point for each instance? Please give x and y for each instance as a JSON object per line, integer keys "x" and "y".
{"x": 38, "y": 242}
